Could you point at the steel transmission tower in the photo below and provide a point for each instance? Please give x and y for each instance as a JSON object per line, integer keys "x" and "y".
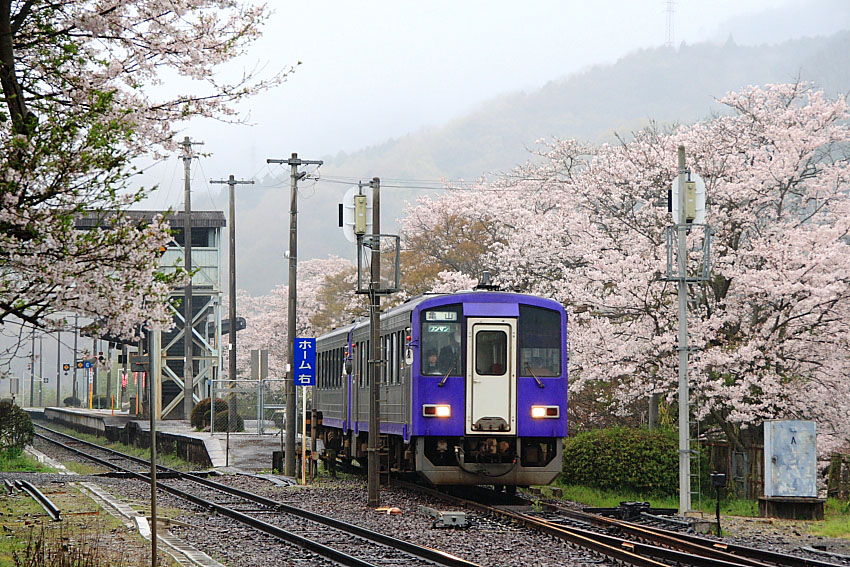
{"x": 670, "y": 8}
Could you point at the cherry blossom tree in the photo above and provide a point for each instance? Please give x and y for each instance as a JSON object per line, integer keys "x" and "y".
{"x": 80, "y": 85}
{"x": 769, "y": 328}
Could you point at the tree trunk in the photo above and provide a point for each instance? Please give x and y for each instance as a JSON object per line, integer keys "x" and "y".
{"x": 730, "y": 431}
{"x": 22, "y": 122}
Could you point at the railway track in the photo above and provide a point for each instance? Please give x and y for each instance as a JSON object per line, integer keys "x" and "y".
{"x": 331, "y": 539}
{"x": 632, "y": 543}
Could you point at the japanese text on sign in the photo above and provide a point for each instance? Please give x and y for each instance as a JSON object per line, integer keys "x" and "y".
{"x": 305, "y": 362}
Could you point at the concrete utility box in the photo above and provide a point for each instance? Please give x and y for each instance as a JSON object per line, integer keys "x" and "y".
{"x": 790, "y": 459}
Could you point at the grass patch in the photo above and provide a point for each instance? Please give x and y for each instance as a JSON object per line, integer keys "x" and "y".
{"x": 84, "y": 538}
{"x": 165, "y": 459}
{"x": 21, "y": 463}
{"x": 836, "y": 522}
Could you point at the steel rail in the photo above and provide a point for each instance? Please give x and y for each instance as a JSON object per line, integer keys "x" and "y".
{"x": 37, "y": 495}
{"x": 723, "y": 550}
{"x": 594, "y": 543}
{"x": 426, "y": 553}
{"x": 270, "y": 529}
{"x": 137, "y": 460}
{"x": 715, "y": 554}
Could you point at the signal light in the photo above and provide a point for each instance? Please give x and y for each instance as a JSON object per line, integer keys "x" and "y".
{"x": 437, "y": 410}
{"x": 540, "y": 412}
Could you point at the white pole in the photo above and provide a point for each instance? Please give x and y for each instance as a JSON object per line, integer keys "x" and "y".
{"x": 304, "y": 435}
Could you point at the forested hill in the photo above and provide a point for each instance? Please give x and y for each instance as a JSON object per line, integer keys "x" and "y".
{"x": 664, "y": 84}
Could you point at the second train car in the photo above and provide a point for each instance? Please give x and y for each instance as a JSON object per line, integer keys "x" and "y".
{"x": 473, "y": 388}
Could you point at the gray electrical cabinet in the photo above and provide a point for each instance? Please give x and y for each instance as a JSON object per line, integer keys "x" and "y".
{"x": 790, "y": 459}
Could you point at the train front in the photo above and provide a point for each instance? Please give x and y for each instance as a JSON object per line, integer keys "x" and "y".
{"x": 489, "y": 389}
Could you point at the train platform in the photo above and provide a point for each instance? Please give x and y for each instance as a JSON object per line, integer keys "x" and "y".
{"x": 240, "y": 451}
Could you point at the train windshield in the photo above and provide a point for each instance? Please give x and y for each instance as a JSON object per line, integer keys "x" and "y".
{"x": 440, "y": 341}
{"x": 539, "y": 341}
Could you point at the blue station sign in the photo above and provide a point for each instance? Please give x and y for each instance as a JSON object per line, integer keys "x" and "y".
{"x": 305, "y": 362}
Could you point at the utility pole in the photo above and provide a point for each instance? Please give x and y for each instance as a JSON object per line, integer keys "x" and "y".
{"x": 684, "y": 410}
{"x": 295, "y": 175}
{"x": 58, "y": 364}
{"x": 40, "y": 370}
{"x": 74, "y": 365}
{"x": 32, "y": 368}
{"x": 231, "y": 185}
{"x": 108, "y": 360}
{"x": 153, "y": 347}
{"x": 188, "y": 339}
{"x": 374, "y": 499}
{"x": 92, "y": 387}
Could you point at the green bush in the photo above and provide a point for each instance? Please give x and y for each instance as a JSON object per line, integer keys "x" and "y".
{"x": 71, "y": 402}
{"x": 200, "y": 416}
{"x": 101, "y": 402}
{"x": 221, "y": 422}
{"x": 16, "y": 429}
{"x": 637, "y": 460}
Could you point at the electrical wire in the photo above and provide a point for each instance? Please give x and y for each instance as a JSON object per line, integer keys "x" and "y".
{"x": 461, "y": 185}
{"x": 207, "y": 183}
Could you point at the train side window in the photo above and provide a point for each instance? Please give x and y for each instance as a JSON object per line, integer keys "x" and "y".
{"x": 394, "y": 358}
{"x": 361, "y": 366}
{"x": 337, "y": 369}
{"x": 399, "y": 360}
{"x": 382, "y": 356}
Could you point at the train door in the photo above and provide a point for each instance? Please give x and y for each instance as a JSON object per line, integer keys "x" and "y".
{"x": 491, "y": 375}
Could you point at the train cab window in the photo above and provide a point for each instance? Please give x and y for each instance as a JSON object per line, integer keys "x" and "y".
{"x": 539, "y": 341}
{"x": 491, "y": 353}
{"x": 440, "y": 341}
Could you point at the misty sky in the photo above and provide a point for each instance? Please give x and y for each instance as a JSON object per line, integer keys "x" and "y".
{"x": 372, "y": 71}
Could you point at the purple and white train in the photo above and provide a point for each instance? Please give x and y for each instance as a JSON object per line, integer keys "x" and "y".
{"x": 473, "y": 391}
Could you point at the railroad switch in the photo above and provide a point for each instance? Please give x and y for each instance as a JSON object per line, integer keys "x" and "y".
{"x": 630, "y": 510}
{"x": 445, "y": 519}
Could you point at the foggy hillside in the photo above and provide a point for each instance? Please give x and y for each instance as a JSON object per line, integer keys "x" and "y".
{"x": 664, "y": 84}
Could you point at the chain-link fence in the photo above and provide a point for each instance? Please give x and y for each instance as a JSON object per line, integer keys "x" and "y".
{"x": 258, "y": 404}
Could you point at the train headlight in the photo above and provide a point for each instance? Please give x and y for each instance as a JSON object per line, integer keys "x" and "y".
{"x": 540, "y": 412}
{"x": 437, "y": 410}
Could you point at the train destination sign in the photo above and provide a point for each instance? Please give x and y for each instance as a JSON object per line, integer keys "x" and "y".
{"x": 440, "y": 316}
{"x": 305, "y": 362}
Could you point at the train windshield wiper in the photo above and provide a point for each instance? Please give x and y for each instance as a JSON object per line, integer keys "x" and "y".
{"x": 539, "y": 383}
